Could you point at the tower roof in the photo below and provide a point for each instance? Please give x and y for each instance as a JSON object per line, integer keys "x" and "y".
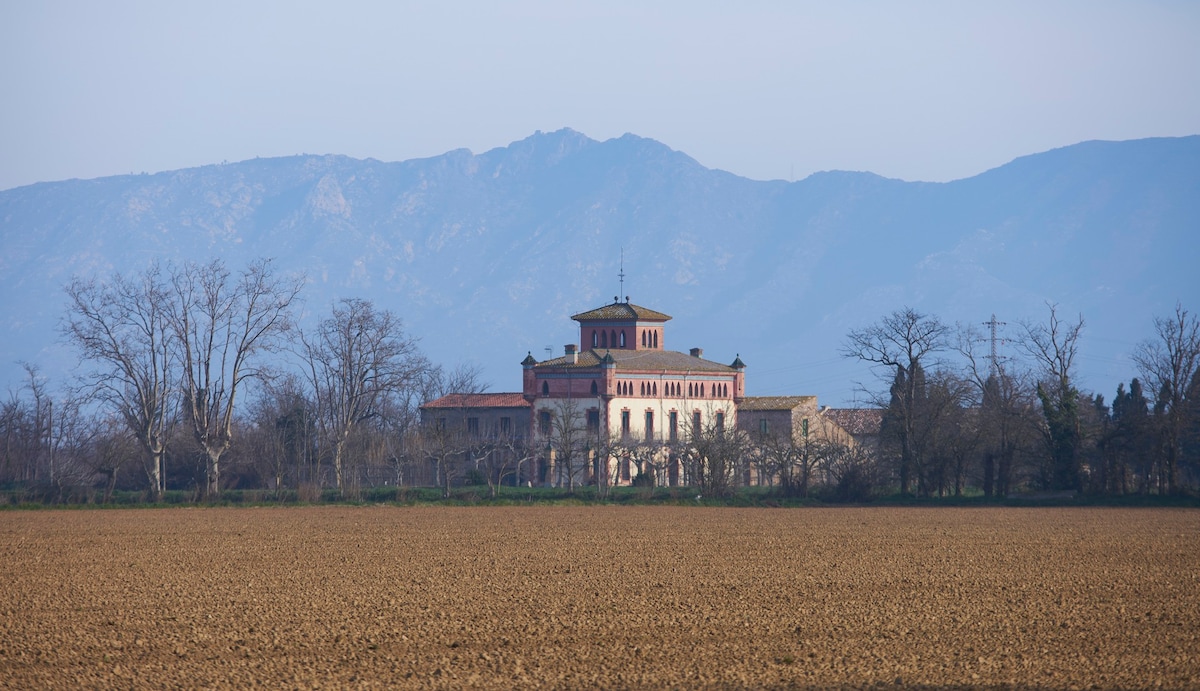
{"x": 622, "y": 311}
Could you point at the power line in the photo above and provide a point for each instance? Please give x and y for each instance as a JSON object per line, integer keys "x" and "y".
{"x": 994, "y": 357}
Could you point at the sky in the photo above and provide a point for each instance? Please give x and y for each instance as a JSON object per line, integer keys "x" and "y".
{"x": 930, "y": 91}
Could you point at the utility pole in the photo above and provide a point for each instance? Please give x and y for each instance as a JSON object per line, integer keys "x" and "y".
{"x": 50, "y": 439}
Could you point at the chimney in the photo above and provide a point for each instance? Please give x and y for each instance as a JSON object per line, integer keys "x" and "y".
{"x": 572, "y": 355}
{"x": 697, "y": 352}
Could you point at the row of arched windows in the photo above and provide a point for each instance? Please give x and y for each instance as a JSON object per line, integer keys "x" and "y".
{"x": 650, "y": 388}
{"x": 717, "y": 390}
{"x": 601, "y": 339}
{"x": 670, "y": 388}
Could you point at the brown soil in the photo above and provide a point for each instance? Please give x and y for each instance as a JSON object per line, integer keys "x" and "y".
{"x": 574, "y": 597}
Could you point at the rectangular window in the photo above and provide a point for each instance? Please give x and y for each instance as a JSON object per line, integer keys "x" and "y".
{"x": 762, "y": 427}
{"x": 673, "y": 425}
{"x": 544, "y": 423}
{"x": 593, "y": 422}
{"x": 649, "y": 426}
{"x": 624, "y": 423}
{"x": 473, "y": 425}
{"x": 696, "y": 429}
{"x": 720, "y": 421}
{"x": 441, "y": 423}
{"x": 506, "y": 426}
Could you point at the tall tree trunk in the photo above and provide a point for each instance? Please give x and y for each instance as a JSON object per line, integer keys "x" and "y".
{"x": 337, "y": 462}
{"x": 213, "y": 486}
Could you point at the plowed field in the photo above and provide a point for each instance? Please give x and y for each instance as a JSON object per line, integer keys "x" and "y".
{"x": 580, "y": 597}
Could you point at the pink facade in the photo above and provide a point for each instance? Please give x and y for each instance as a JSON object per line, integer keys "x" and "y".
{"x": 628, "y": 383}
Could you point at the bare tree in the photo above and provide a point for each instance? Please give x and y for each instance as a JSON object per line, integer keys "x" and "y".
{"x": 712, "y": 454}
{"x": 71, "y": 435}
{"x": 121, "y": 328}
{"x": 904, "y": 343}
{"x": 785, "y": 455}
{"x": 849, "y": 473}
{"x": 110, "y": 450}
{"x": 443, "y": 445}
{"x": 1171, "y": 365}
{"x": 223, "y": 323}
{"x": 568, "y": 439}
{"x": 357, "y": 359}
{"x": 1053, "y": 347}
{"x": 647, "y": 458}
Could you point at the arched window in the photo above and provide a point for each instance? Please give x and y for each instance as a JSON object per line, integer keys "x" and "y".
{"x": 603, "y": 339}
{"x": 644, "y": 343}
{"x": 622, "y": 339}
{"x": 613, "y": 339}
{"x": 545, "y": 388}
{"x": 655, "y": 388}
{"x": 595, "y": 389}
{"x": 691, "y": 391}
{"x": 655, "y": 339}
{"x": 595, "y": 339}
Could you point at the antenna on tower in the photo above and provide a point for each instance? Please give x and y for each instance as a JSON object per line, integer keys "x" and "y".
{"x": 621, "y": 273}
{"x": 992, "y": 324}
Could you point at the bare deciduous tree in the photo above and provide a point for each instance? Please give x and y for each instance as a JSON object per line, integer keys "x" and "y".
{"x": 712, "y": 453}
{"x": 1171, "y": 365}
{"x": 357, "y": 359}
{"x": 904, "y": 343}
{"x": 1053, "y": 347}
{"x": 568, "y": 438}
{"x": 223, "y": 323}
{"x": 121, "y": 328}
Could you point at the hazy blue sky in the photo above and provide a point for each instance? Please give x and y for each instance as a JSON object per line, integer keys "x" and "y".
{"x": 919, "y": 91}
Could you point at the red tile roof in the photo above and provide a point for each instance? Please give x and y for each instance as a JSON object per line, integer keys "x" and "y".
{"x": 479, "y": 400}
{"x": 622, "y": 311}
{"x": 857, "y": 421}
{"x": 774, "y": 402}
{"x": 639, "y": 360}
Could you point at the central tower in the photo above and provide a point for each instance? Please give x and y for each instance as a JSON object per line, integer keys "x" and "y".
{"x": 621, "y": 326}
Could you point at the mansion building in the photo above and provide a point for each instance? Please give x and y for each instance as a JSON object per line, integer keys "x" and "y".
{"x": 621, "y": 386}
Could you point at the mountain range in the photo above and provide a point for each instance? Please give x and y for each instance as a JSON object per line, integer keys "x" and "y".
{"x": 486, "y": 256}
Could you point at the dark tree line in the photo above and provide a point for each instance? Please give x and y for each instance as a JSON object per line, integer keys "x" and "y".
{"x": 196, "y": 377}
{"x": 955, "y": 418}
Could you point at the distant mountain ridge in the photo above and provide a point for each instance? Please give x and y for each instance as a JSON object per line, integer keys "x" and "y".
{"x": 486, "y": 256}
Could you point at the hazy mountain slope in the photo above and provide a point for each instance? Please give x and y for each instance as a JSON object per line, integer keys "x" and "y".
{"x": 486, "y": 256}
